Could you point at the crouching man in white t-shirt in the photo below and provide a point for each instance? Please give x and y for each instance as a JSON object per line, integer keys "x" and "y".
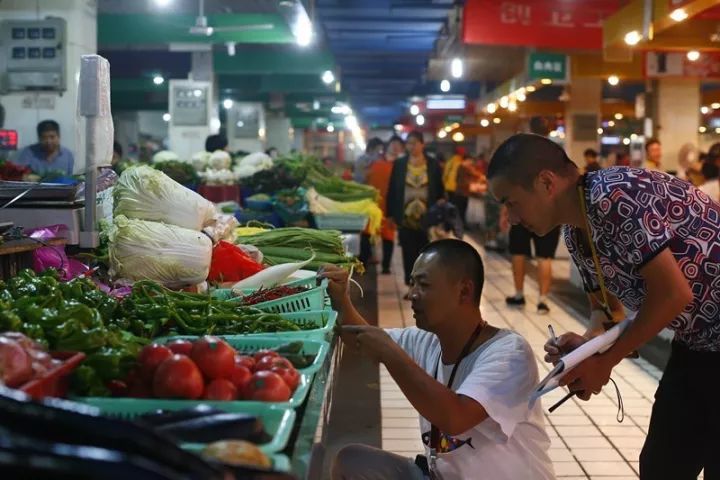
{"x": 469, "y": 381}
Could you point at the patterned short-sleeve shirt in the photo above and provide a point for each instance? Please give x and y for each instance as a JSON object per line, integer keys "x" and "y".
{"x": 635, "y": 214}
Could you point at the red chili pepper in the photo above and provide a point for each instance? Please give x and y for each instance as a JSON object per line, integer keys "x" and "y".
{"x": 269, "y": 294}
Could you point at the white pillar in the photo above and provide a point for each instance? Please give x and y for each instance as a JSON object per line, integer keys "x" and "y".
{"x": 582, "y": 117}
{"x": 278, "y": 133}
{"x": 24, "y": 110}
{"x": 677, "y": 117}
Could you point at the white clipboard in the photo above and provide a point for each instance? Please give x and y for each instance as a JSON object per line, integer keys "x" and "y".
{"x": 599, "y": 344}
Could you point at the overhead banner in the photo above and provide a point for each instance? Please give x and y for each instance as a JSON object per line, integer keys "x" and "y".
{"x": 676, "y": 64}
{"x": 533, "y": 23}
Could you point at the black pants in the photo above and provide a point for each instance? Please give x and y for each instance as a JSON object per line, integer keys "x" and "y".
{"x": 461, "y": 202}
{"x": 411, "y": 241}
{"x": 684, "y": 433}
{"x": 366, "y": 251}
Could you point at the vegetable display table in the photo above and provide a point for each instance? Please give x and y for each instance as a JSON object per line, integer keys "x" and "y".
{"x": 17, "y": 254}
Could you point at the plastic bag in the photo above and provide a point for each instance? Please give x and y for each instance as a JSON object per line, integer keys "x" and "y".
{"x": 230, "y": 264}
{"x": 223, "y": 228}
{"x": 54, "y": 256}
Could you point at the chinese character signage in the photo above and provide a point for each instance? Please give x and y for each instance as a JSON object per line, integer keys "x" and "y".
{"x": 547, "y": 65}
{"x": 537, "y": 23}
{"x": 676, "y": 64}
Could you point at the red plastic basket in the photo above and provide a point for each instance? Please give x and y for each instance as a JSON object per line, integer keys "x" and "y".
{"x": 55, "y": 383}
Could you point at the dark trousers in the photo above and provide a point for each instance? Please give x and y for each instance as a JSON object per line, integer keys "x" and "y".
{"x": 366, "y": 251}
{"x": 411, "y": 241}
{"x": 684, "y": 433}
{"x": 461, "y": 202}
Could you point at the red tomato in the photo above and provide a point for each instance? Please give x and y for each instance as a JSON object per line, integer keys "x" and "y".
{"x": 261, "y": 353}
{"x": 289, "y": 375}
{"x": 15, "y": 363}
{"x": 268, "y": 362}
{"x": 178, "y": 377}
{"x": 214, "y": 357}
{"x": 150, "y": 357}
{"x": 220, "y": 389}
{"x": 117, "y": 388}
{"x": 183, "y": 347}
{"x": 248, "y": 362}
{"x": 240, "y": 377}
{"x": 268, "y": 387}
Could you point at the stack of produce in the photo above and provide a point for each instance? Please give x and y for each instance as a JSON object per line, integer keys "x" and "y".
{"x": 338, "y": 189}
{"x": 181, "y": 172}
{"x": 22, "y": 360}
{"x": 211, "y": 369}
{"x": 152, "y": 310}
{"x": 73, "y": 316}
{"x": 320, "y": 204}
{"x": 218, "y": 169}
{"x": 252, "y": 164}
{"x": 156, "y": 233}
{"x": 288, "y": 245}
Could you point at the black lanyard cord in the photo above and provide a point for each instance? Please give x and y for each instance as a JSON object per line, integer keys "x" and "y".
{"x": 434, "y": 431}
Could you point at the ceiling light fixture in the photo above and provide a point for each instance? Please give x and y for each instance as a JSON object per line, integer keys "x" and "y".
{"x": 456, "y": 67}
{"x": 445, "y": 86}
{"x": 328, "y": 77}
{"x": 679, "y": 14}
{"x": 633, "y": 38}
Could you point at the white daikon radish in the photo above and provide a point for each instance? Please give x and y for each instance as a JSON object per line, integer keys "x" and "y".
{"x": 271, "y": 276}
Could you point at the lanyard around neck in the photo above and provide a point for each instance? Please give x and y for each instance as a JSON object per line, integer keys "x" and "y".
{"x": 434, "y": 431}
{"x": 605, "y": 304}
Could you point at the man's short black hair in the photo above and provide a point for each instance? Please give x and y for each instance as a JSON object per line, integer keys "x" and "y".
{"x": 374, "y": 143}
{"x": 651, "y": 141}
{"x": 590, "y": 152}
{"x": 459, "y": 257}
{"x": 523, "y": 156}
{"x": 710, "y": 170}
{"x": 117, "y": 148}
{"x": 215, "y": 142}
{"x": 47, "y": 126}
{"x": 396, "y": 138}
{"x": 417, "y": 135}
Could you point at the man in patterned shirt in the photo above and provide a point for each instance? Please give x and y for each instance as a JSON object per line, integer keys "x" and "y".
{"x": 656, "y": 247}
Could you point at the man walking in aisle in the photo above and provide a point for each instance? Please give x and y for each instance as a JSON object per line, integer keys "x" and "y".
{"x": 653, "y": 241}
{"x": 519, "y": 246}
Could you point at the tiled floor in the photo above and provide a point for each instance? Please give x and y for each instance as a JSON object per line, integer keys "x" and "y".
{"x": 587, "y": 440}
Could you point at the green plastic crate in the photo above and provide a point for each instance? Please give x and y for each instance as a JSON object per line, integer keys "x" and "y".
{"x": 345, "y": 222}
{"x": 251, "y": 343}
{"x": 312, "y": 299}
{"x": 324, "y": 320}
{"x": 278, "y": 422}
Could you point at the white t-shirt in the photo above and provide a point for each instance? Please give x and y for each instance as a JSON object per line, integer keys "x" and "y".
{"x": 509, "y": 445}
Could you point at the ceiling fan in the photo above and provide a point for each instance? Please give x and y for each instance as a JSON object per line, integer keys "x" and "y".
{"x": 201, "y": 27}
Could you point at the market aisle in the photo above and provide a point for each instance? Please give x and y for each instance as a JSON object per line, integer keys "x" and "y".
{"x": 587, "y": 441}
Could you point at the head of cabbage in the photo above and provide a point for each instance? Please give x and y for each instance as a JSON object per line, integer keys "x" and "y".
{"x": 173, "y": 256}
{"x": 148, "y": 194}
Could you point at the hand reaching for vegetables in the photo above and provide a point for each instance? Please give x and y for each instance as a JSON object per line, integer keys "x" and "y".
{"x": 338, "y": 281}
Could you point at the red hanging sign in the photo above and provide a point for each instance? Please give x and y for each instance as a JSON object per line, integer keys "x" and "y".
{"x": 537, "y": 23}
